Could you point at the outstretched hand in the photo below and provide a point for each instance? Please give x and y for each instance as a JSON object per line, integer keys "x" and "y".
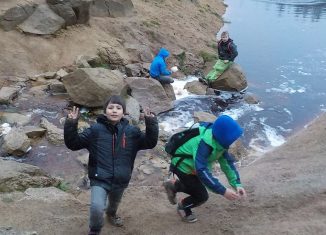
{"x": 241, "y": 192}
{"x": 74, "y": 114}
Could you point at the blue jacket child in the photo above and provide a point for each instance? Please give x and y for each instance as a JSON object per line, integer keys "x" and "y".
{"x": 158, "y": 69}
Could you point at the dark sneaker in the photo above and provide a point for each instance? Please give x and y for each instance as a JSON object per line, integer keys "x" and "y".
{"x": 203, "y": 80}
{"x": 115, "y": 220}
{"x": 170, "y": 191}
{"x": 186, "y": 218}
{"x": 91, "y": 232}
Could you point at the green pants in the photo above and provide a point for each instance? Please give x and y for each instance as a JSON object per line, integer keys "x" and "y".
{"x": 217, "y": 70}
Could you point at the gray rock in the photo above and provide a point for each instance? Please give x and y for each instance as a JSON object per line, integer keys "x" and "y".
{"x": 15, "y": 118}
{"x": 43, "y": 21}
{"x": 16, "y": 143}
{"x": 119, "y": 8}
{"x": 34, "y": 131}
{"x": 7, "y": 94}
{"x": 16, "y": 15}
{"x": 204, "y": 117}
{"x": 133, "y": 109}
{"x": 150, "y": 93}
{"x": 91, "y": 86}
{"x": 54, "y": 134}
{"x": 233, "y": 79}
{"x": 196, "y": 87}
{"x": 66, "y": 12}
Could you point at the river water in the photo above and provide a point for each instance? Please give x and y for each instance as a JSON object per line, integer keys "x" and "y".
{"x": 282, "y": 49}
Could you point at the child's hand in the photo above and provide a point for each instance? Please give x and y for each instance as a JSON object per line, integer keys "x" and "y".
{"x": 231, "y": 195}
{"x": 241, "y": 192}
{"x": 74, "y": 113}
{"x": 148, "y": 113}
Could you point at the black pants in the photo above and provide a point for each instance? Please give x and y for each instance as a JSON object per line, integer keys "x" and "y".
{"x": 191, "y": 185}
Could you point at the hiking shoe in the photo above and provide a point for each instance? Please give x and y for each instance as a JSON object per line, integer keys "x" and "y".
{"x": 115, "y": 220}
{"x": 186, "y": 218}
{"x": 92, "y": 232}
{"x": 203, "y": 80}
{"x": 170, "y": 191}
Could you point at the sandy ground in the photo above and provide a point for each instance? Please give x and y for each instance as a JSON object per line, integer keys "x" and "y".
{"x": 286, "y": 195}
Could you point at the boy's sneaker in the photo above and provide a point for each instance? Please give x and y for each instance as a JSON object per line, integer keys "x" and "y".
{"x": 92, "y": 232}
{"x": 170, "y": 191}
{"x": 115, "y": 220}
{"x": 186, "y": 218}
{"x": 203, "y": 80}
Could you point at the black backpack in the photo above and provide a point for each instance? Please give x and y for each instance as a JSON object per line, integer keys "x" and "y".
{"x": 178, "y": 139}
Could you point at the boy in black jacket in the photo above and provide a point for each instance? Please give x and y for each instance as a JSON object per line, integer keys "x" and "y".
{"x": 112, "y": 144}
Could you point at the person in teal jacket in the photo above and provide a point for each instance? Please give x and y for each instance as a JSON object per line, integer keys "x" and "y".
{"x": 194, "y": 172}
{"x": 158, "y": 69}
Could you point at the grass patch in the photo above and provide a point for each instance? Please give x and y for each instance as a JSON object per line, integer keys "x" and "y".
{"x": 64, "y": 186}
{"x": 207, "y": 57}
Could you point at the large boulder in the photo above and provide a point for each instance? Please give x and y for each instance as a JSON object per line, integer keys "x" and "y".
{"x": 73, "y": 11}
{"x": 16, "y": 176}
{"x": 16, "y": 15}
{"x": 150, "y": 93}
{"x": 196, "y": 87}
{"x": 7, "y": 94}
{"x": 233, "y": 79}
{"x": 133, "y": 109}
{"x": 53, "y": 133}
{"x": 43, "y": 21}
{"x": 91, "y": 86}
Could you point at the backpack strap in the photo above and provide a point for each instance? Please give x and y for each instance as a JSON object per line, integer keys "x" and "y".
{"x": 182, "y": 157}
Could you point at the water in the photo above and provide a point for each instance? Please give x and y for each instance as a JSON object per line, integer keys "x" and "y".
{"x": 282, "y": 49}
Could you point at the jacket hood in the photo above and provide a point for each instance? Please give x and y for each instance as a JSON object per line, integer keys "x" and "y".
{"x": 163, "y": 52}
{"x": 226, "y": 130}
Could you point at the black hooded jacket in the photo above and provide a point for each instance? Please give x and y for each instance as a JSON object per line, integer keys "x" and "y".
{"x": 112, "y": 148}
{"x": 227, "y": 50}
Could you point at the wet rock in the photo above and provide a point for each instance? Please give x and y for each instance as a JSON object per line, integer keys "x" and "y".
{"x": 15, "y": 118}
{"x": 34, "y": 131}
{"x": 204, "y": 117}
{"x": 82, "y": 61}
{"x": 233, "y": 79}
{"x": 38, "y": 90}
{"x": 43, "y": 21}
{"x": 196, "y": 87}
{"x": 7, "y": 94}
{"x": 150, "y": 93}
{"x": 251, "y": 99}
{"x": 90, "y": 87}
{"x": 16, "y": 143}
{"x": 54, "y": 134}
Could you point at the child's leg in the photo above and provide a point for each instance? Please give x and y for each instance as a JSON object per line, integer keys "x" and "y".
{"x": 190, "y": 184}
{"x": 114, "y": 201}
{"x": 98, "y": 203}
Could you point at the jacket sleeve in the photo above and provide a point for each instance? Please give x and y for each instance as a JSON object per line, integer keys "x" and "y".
{"x": 73, "y": 140}
{"x": 227, "y": 165}
{"x": 234, "y": 52}
{"x": 149, "y": 139}
{"x": 203, "y": 173}
{"x": 163, "y": 69}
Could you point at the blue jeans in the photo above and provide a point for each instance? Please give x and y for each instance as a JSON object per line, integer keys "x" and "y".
{"x": 99, "y": 204}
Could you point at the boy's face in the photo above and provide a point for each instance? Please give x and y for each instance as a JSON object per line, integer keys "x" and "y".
{"x": 225, "y": 38}
{"x": 114, "y": 112}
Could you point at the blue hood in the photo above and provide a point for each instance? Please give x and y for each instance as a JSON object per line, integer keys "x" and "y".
{"x": 226, "y": 130}
{"x": 163, "y": 52}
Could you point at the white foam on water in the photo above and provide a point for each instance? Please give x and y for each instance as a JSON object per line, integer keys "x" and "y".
{"x": 271, "y": 134}
{"x": 238, "y": 112}
{"x": 5, "y": 129}
{"x": 286, "y": 88}
{"x": 179, "y": 84}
